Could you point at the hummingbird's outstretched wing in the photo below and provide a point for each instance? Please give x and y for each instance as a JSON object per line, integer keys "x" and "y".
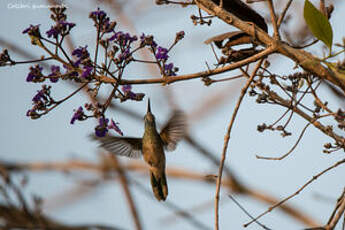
{"x": 174, "y": 130}
{"x": 123, "y": 146}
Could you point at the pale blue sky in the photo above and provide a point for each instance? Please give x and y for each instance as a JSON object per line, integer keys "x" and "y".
{"x": 53, "y": 138}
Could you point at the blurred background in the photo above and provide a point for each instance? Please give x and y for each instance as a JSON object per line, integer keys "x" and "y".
{"x": 86, "y": 197}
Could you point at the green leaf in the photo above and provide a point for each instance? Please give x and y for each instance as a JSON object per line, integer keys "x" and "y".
{"x": 318, "y": 24}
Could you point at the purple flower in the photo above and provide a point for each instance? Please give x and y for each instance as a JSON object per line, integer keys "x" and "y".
{"x": 34, "y": 33}
{"x": 108, "y": 26}
{"x": 130, "y": 38}
{"x": 169, "y": 69}
{"x": 55, "y": 72}
{"x": 128, "y": 94}
{"x": 123, "y": 39}
{"x": 78, "y": 115}
{"x": 126, "y": 88}
{"x": 61, "y": 28}
{"x": 114, "y": 126}
{"x": 124, "y": 55}
{"x": 162, "y": 54}
{"x": 99, "y": 14}
{"x": 81, "y": 52}
{"x": 67, "y": 25}
{"x": 35, "y": 74}
{"x": 102, "y": 21}
{"x": 32, "y": 30}
{"x": 53, "y": 32}
{"x": 147, "y": 41}
{"x": 40, "y": 96}
{"x": 55, "y": 69}
{"x": 103, "y": 121}
{"x": 87, "y": 70}
{"x": 102, "y": 129}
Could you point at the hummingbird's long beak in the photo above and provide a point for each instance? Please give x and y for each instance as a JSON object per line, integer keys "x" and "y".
{"x": 148, "y": 106}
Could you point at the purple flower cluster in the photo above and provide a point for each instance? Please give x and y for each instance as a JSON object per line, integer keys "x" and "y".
{"x": 41, "y": 101}
{"x": 147, "y": 40}
{"x": 33, "y": 31}
{"x": 78, "y": 115}
{"x": 123, "y": 43}
{"x": 162, "y": 54}
{"x": 129, "y": 94}
{"x": 102, "y": 21}
{"x": 81, "y": 53}
{"x": 118, "y": 46}
{"x": 170, "y": 70}
{"x": 40, "y": 97}
{"x": 61, "y": 28}
{"x": 123, "y": 39}
{"x": 113, "y": 125}
{"x": 35, "y": 74}
{"x": 98, "y": 15}
{"x": 83, "y": 58}
{"x": 87, "y": 72}
{"x": 127, "y": 90}
{"x": 103, "y": 127}
{"x": 54, "y": 75}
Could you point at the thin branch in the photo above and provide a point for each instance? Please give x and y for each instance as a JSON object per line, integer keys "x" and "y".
{"x": 297, "y": 192}
{"x": 124, "y": 182}
{"x": 290, "y": 151}
{"x": 273, "y": 20}
{"x": 281, "y": 18}
{"x": 338, "y": 212}
{"x": 226, "y": 141}
{"x": 172, "y": 79}
{"x": 247, "y": 213}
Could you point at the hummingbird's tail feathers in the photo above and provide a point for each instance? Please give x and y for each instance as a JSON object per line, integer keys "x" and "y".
{"x": 122, "y": 146}
{"x": 159, "y": 186}
{"x": 174, "y": 130}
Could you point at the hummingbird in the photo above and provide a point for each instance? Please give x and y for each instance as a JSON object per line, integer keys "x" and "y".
{"x": 151, "y": 146}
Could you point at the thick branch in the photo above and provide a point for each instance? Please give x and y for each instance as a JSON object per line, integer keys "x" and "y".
{"x": 306, "y": 60}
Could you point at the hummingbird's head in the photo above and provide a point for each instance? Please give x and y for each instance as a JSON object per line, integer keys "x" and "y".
{"x": 149, "y": 118}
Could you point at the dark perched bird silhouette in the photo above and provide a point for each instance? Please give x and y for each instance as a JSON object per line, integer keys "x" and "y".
{"x": 243, "y": 12}
{"x": 151, "y": 146}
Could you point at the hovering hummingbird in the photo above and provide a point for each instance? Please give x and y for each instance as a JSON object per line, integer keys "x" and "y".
{"x": 151, "y": 146}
